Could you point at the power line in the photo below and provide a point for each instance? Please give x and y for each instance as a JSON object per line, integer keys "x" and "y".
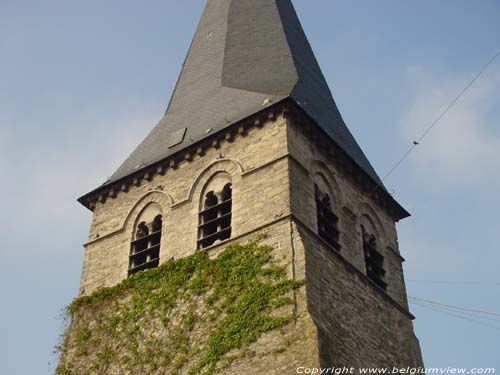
{"x": 455, "y": 307}
{"x": 456, "y": 315}
{"x": 472, "y": 315}
{"x": 439, "y": 118}
{"x": 478, "y": 283}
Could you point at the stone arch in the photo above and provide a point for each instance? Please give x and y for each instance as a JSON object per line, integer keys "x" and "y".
{"x": 146, "y": 239}
{"x": 320, "y": 171}
{"x": 370, "y": 217}
{"x": 328, "y": 204}
{"x": 322, "y": 184}
{"x": 367, "y": 226}
{"x": 229, "y": 166}
{"x": 217, "y": 184}
{"x": 160, "y": 198}
{"x": 149, "y": 214}
{"x": 372, "y": 240}
{"x": 215, "y": 209}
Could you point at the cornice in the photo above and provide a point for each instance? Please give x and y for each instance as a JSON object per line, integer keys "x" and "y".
{"x": 345, "y": 165}
{"x": 286, "y": 108}
{"x": 171, "y": 163}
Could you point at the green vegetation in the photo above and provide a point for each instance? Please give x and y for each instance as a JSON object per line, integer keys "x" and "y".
{"x": 196, "y": 314}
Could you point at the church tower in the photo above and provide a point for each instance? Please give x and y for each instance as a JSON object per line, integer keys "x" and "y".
{"x": 252, "y": 145}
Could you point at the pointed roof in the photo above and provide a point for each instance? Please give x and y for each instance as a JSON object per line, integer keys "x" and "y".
{"x": 245, "y": 56}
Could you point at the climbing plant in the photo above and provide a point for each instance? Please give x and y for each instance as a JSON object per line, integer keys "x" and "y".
{"x": 193, "y": 315}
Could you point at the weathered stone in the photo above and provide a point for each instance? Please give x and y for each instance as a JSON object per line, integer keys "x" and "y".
{"x": 341, "y": 317}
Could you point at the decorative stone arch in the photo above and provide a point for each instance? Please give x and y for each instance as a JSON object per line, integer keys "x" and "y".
{"x": 367, "y": 215}
{"x": 328, "y": 204}
{"x": 373, "y": 244}
{"x": 322, "y": 174}
{"x": 147, "y": 215}
{"x": 366, "y": 223}
{"x": 216, "y": 184}
{"x": 215, "y": 210}
{"x": 144, "y": 230}
{"x": 163, "y": 200}
{"x": 229, "y": 166}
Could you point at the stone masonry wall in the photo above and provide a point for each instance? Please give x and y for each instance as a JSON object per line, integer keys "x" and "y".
{"x": 279, "y": 351}
{"x": 340, "y": 316}
{"x": 349, "y": 204}
{"x": 295, "y": 345}
{"x": 359, "y": 324}
{"x": 258, "y": 168}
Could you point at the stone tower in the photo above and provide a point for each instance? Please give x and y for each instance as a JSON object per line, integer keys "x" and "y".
{"x": 252, "y": 143}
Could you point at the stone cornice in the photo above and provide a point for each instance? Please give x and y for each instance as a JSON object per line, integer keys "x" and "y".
{"x": 286, "y": 108}
{"x": 229, "y": 134}
{"x": 347, "y": 167}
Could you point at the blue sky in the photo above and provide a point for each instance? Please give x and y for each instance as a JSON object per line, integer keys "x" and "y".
{"x": 81, "y": 83}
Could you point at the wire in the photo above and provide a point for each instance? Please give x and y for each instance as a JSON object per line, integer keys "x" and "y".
{"x": 439, "y": 118}
{"x": 472, "y": 315}
{"x": 456, "y": 315}
{"x": 479, "y": 283}
{"x": 467, "y": 316}
{"x": 454, "y": 307}
{"x": 458, "y": 96}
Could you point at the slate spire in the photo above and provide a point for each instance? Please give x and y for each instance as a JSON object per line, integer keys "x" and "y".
{"x": 245, "y": 56}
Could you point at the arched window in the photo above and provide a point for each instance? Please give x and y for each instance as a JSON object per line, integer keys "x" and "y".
{"x": 145, "y": 246}
{"x": 216, "y": 212}
{"x": 374, "y": 260}
{"x": 327, "y": 220}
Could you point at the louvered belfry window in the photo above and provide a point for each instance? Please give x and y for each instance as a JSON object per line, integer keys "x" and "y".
{"x": 327, "y": 220}
{"x": 374, "y": 260}
{"x": 145, "y": 248}
{"x": 215, "y": 217}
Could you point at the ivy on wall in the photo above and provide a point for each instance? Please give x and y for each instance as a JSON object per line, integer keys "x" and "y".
{"x": 193, "y": 315}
